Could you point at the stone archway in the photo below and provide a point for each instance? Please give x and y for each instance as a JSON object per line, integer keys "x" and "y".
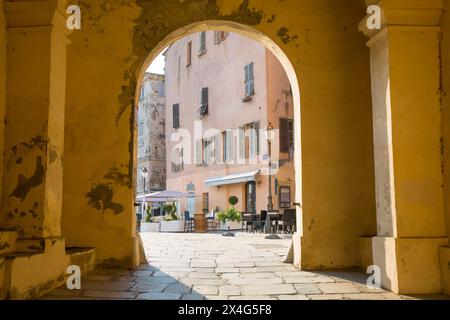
{"x": 320, "y": 44}
{"x": 252, "y": 33}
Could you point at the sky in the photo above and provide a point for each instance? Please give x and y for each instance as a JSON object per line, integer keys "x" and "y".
{"x": 157, "y": 66}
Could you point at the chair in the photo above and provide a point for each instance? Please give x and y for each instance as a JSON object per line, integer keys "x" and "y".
{"x": 289, "y": 220}
{"x": 212, "y": 222}
{"x": 188, "y": 222}
{"x": 247, "y": 220}
{"x": 262, "y": 221}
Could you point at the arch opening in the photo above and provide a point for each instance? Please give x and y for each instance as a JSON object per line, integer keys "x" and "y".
{"x": 279, "y": 57}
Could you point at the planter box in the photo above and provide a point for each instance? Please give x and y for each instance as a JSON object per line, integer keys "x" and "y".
{"x": 233, "y": 226}
{"x": 172, "y": 226}
{"x": 149, "y": 227}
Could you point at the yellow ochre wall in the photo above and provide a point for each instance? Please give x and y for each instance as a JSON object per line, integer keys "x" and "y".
{"x": 445, "y": 109}
{"x": 2, "y": 86}
{"x": 331, "y": 61}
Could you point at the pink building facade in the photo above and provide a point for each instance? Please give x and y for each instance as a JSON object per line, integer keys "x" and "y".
{"x": 222, "y": 91}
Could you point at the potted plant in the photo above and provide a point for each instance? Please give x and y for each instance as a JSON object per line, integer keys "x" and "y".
{"x": 171, "y": 222}
{"x": 149, "y": 225}
{"x": 230, "y": 215}
{"x": 230, "y": 224}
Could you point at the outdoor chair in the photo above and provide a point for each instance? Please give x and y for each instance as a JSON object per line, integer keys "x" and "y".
{"x": 262, "y": 221}
{"x": 288, "y": 221}
{"x": 247, "y": 220}
{"x": 188, "y": 222}
{"x": 212, "y": 222}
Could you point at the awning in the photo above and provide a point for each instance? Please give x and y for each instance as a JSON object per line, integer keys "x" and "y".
{"x": 232, "y": 179}
{"x": 163, "y": 196}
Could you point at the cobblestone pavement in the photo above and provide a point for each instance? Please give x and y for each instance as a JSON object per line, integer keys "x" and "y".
{"x": 209, "y": 266}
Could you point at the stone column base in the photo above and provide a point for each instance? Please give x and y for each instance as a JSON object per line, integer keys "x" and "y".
{"x": 409, "y": 266}
{"x": 31, "y": 275}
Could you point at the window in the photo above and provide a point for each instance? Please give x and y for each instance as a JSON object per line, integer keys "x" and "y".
{"x": 253, "y": 139}
{"x": 227, "y": 146}
{"x": 216, "y": 147}
{"x": 142, "y": 94}
{"x": 220, "y": 36}
{"x": 205, "y": 202}
{"x": 189, "y": 54}
{"x": 207, "y": 152}
{"x": 141, "y": 134}
{"x": 176, "y": 116}
{"x": 250, "y": 143}
{"x": 286, "y": 134}
{"x": 249, "y": 81}
{"x": 202, "y": 43}
{"x": 177, "y": 160}
{"x": 199, "y": 152}
{"x": 250, "y": 197}
{"x": 204, "y": 102}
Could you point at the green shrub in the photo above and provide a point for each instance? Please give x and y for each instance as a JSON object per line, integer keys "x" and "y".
{"x": 231, "y": 214}
{"x": 233, "y": 200}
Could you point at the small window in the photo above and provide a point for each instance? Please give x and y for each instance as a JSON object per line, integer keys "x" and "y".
{"x": 286, "y": 135}
{"x": 177, "y": 160}
{"x": 205, "y": 202}
{"x": 189, "y": 54}
{"x": 204, "y": 102}
{"x": 249, "y": 81}
{"x": 227, "y": 146}
{"x": 141, "y": 129}
{"x": 142, "y": 94}
{"x": 220, "y": 36}
{"x": 207, "y": 152}
{"x": 176, "y": 116}
{"x": 202, "y": 43}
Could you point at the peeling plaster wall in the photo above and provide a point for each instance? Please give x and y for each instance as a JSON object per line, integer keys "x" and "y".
{"x": 331, "y": 60}
{"x": 3, "y": 40}
{"x": 445, "y": 94}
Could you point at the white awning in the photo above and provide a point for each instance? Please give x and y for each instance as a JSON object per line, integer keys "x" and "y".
{"x": 232, "y": 179}
{"x": 163, "y": 196}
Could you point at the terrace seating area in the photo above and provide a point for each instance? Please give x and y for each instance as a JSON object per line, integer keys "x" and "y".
{"x": 280, "y": 222}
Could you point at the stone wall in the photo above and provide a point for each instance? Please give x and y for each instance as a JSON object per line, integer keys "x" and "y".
{"x": 151, "y": 134}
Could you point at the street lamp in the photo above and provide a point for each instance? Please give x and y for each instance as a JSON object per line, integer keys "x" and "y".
{"x": 270, "y": 133}
{"x": 270, "y": 136}
{"x": 144, "y": 175}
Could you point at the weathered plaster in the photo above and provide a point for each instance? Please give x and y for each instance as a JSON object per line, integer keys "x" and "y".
{"x": 120, "y": 37}
{"x": 3, "y": 44}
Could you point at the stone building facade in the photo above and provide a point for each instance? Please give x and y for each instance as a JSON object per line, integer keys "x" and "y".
{"x": 244, "y": 88}
{"x": 151, "y": 134}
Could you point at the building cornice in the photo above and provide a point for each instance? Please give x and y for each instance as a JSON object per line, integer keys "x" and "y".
{"x": 425, "y": 13}
{"x": 36, "y": 14}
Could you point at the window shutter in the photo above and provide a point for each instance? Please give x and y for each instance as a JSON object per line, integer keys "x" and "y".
{"x": 198, "y": 152}
{"x": 217, "y": 148}
{"x": 202, "y": 42}
{"x": 284, "y": 135}
{"x": 176, "y": 116}
{"x": 242, "y": 143}
{"x": 257, "y": 137}
{"x": 229, "y": 135}
{"x": 204, "y": 101}
{"x": 216, "y": 37}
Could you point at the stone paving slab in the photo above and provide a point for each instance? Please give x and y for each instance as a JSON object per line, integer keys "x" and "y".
{"x": 207, "y": 266}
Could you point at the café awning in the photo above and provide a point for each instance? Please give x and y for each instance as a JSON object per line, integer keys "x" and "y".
{"x": 163, "y": 196}
{"x": 233, "y": 179}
